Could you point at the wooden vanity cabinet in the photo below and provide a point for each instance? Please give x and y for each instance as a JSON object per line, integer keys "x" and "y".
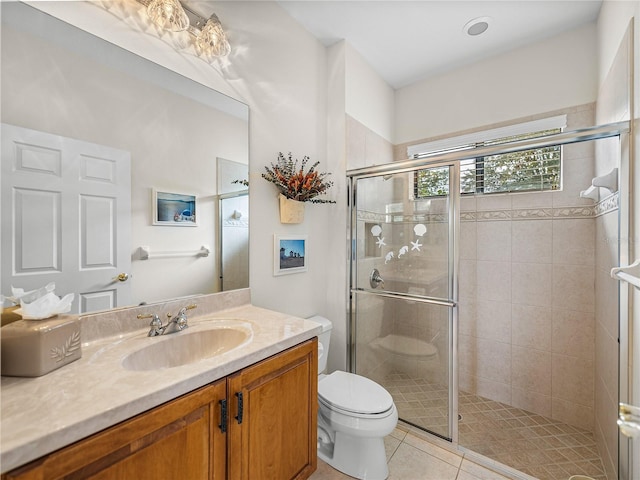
{"x": 273, "y": 424}
{"x": 173, "y": 441}
{"x": 270, "y": 431}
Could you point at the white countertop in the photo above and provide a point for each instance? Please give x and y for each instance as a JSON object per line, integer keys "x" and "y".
{"x": 40, "y": 415}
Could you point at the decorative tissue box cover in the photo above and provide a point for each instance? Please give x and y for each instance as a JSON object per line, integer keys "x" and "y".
{"x": 31, "y": 348}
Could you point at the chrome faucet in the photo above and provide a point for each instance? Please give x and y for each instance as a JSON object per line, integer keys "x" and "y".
{"x": 175, "y": 324}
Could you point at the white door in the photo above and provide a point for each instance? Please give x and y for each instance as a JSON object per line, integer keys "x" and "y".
{"x": 65, "y": 217}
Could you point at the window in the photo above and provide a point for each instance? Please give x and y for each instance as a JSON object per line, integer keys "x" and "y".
{"x": 531, "y": 170}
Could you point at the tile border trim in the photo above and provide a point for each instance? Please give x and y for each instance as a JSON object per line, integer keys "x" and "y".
{"x": 604, "y": 206}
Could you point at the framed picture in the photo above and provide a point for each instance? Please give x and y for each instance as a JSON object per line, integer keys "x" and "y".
{"x": 174, "y": 209}
{"x": 289, "y": 254}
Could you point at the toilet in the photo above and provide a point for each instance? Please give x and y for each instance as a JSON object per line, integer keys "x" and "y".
{"x": 354, "y": 415}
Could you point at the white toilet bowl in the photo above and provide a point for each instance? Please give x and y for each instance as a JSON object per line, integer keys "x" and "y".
{"x": 354, "y": 416}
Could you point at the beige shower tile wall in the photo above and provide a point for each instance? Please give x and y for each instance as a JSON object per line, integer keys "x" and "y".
{"x": 526, "y": 317}
{"x": 531, "y": 332}
{"x": 364, "y": 146}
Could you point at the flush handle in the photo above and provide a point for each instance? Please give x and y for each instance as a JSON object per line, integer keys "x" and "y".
{"x": 240, "y": 407}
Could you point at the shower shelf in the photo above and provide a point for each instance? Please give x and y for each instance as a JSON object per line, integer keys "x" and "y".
{"x": 630, "y": 273}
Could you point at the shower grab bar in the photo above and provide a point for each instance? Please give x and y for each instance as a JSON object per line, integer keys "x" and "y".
{"x": 406, "y": 296}
{"x": 630, "y": 273}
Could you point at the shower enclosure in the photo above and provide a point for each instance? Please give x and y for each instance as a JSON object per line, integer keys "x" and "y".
{"x": 413, "y": 244}
{"x": 452, "y": 331}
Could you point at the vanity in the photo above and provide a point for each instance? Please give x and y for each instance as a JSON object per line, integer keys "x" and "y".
{"x": 247, "y": 411}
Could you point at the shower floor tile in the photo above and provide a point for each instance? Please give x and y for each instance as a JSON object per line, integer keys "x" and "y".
{"x": 533, "y": 444}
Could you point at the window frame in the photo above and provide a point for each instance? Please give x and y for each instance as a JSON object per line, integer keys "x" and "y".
{"x": 487, "y": 137}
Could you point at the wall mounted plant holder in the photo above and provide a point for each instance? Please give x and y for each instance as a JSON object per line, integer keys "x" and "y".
{"x": 291, "y": 211}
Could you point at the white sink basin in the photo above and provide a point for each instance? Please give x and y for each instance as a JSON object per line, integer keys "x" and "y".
{"x": 176, "y": 349}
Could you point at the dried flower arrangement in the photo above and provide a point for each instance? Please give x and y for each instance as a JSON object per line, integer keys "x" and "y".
{"x": 296, "y": 184}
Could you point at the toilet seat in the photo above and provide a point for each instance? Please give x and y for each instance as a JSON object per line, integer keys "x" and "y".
{"x": 354, "y": 395}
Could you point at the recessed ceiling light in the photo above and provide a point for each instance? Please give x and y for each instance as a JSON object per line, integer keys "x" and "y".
{"x": 477, "y": 26}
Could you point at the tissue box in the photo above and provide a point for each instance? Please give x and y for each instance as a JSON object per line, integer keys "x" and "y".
{"x": 31, "y": 348}
{"x": 9, "y": 315}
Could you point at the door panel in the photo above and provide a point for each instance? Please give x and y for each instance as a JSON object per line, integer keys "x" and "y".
{"x": 273, "y": 417}
{"x": 403, "y": 292}
{"x": 66, "y": 204}
{"x": 37, "y": 251}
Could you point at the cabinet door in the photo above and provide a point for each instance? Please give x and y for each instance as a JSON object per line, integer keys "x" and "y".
{"x": 272, "y": 419}
{"x": 178, "y": 440}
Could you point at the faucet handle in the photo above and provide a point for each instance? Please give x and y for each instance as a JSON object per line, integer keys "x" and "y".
{"x": 188, "y": 307}
{"x": 183, "y": 310}
{"x": 181, "y": 318}
{"x": 181, "y": 321}
{"x": 156, "y": 323}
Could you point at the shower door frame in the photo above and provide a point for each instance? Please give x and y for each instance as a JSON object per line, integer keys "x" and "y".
{"x": 451, "y": 302}
{"x": 621, "y": 130}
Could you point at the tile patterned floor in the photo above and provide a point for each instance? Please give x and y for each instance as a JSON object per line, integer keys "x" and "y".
{"x": 411, "y": 457}
{"x": 533, "y": 444}
{"x": 529, "y": 443}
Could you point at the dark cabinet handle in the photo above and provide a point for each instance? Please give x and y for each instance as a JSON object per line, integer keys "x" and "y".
{"x": 240, "y": 407}
{"x": 223, "y": 415}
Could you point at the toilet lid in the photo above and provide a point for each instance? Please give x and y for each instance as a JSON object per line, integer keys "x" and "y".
{"x": 354, "y": 393}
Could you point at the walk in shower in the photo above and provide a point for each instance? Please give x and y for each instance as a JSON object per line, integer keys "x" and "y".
{"x": 479, "y": 312}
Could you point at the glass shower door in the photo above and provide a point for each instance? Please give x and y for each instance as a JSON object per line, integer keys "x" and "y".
{"x": 403, "y": 291}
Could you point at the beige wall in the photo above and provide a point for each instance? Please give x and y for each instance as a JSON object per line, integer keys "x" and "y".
{"x": 512, "y": 85}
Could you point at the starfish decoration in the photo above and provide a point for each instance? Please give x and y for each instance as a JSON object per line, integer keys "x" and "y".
{"x": 415, "y": 245}
{"x": 380, "y": 242}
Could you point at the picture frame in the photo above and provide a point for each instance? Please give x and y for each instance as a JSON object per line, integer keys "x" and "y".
{"x": 173, "y": 209}
{"x": 290, "y": 254}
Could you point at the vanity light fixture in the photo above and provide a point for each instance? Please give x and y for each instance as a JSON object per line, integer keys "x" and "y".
{"x": 168, "y": 15}
{"x": 477, "y": 26}
{"x": 208, "y": 36}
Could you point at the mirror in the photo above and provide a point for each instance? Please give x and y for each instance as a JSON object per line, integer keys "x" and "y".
{"x": 156, "y": 153}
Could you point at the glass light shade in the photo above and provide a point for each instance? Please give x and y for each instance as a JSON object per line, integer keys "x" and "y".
{"x": 168, "y": 15}
{"x": 212, "y": 42}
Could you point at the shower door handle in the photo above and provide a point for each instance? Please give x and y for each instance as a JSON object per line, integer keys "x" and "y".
{"x": 629, "y": 420}
{"x": 375, "y": 279}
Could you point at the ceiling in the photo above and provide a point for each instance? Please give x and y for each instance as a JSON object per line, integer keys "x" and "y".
{"x": 406, "y": 41}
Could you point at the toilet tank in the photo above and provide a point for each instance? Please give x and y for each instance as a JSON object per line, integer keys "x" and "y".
{"x": 323, "y": 341}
